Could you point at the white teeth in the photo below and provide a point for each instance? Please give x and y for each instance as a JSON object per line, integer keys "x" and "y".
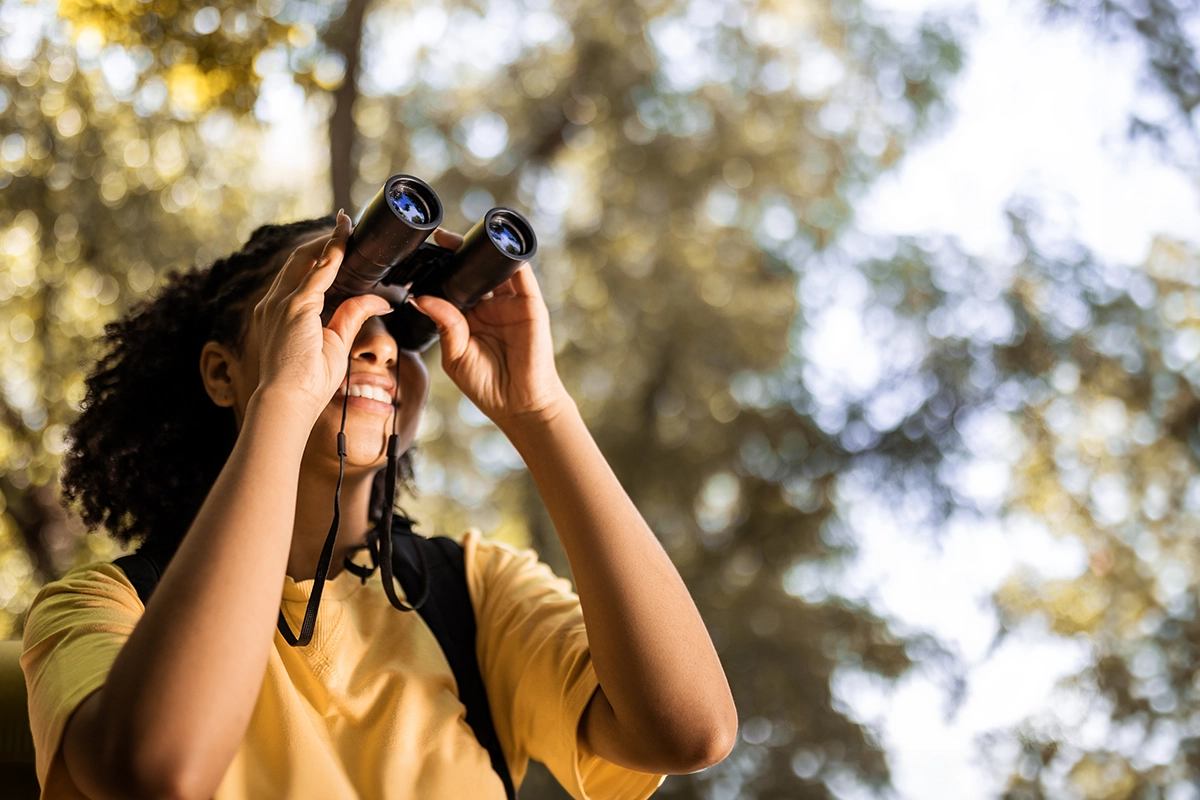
{"x": 369, "y": 391}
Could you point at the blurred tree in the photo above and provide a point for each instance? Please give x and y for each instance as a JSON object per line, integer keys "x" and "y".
{"x": 1102, "y": 380}
{"x": 125, "y": 149}
{"x": 1084, "y": 376}
{"x": 682, "y": 162}
{"x": 1081, "y": 376}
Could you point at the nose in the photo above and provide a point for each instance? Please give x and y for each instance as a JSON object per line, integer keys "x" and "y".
{"x": 374, "y": 345}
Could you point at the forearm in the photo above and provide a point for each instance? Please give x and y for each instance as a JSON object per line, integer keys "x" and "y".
{"x": 664, "y": 703}
{"x": 179, "y": 696}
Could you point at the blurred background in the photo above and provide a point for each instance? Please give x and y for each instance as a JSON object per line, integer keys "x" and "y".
{"x": 886, "y": 314}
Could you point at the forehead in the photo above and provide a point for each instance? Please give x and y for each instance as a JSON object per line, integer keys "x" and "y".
{"x": 281, "y": 256}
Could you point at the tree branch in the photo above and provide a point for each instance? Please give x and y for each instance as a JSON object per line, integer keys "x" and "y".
{"x": 345, "y": 36}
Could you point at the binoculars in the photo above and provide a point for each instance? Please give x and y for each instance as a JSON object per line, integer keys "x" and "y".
{"x": 388, "y": 246}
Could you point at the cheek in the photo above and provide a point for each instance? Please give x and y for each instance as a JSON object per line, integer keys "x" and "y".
{"x": 413, "y": 377}
{"x": 414, "y": 386}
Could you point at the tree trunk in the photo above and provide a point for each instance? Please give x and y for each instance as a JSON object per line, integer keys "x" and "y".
{"x": 345, "y": 36}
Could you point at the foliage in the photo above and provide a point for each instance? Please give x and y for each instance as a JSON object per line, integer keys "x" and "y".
{"x": 1097, "y": 378}
{"x": 1081, "y": 378}
{"x": 1108, "y": 360}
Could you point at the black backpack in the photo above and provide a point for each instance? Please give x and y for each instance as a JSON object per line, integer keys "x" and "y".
{"x": 447, "y": 612}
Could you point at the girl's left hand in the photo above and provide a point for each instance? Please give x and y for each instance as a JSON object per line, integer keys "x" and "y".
{"x": 499, "y": 353}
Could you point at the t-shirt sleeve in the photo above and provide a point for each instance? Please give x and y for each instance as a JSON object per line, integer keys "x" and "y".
{"x": 536, "y": 665}
{"x": 73, "y": 632}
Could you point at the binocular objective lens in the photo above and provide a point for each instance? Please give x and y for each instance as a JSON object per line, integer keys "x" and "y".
{"x": 408, "y": 204}
{"x": 506, "y": 237}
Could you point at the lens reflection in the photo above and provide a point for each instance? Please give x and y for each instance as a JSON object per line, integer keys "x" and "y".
{"x": 506, "y": 237}
{"x": 408, "y": 204}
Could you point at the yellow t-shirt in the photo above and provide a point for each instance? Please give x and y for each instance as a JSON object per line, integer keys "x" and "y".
{"x": 370, "y": 708}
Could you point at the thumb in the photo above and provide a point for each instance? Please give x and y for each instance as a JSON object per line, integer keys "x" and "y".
{"x": 353, "y": 312}
{"x": 452, "y": 326}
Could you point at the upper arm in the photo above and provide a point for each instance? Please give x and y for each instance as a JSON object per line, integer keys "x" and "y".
{"x": 600, "y": 733}
{"x": 86, "y": 764}
{"x": 74, "y": 631}
{"x": 535, "y": 662}
{"x": 79, "y": 751}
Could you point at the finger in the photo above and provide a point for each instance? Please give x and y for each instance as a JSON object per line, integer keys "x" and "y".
{"x": 325, "y": 270}
{"x": 273, "y": 290}
{"x": 335, "y": 248}
{"x": 452, "y": 326}
{"x": 444, "y": 238}
{"x": 505, "y": 289}
{"x": 354, "y": 312}
{"x": 524, "y": 282}
{"x": 298, "y": 265}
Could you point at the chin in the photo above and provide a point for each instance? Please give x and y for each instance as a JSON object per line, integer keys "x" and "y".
{"x": 366, "y": 439}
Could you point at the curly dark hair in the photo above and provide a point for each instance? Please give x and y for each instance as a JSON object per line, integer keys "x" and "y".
{"x": 149, "y": 442}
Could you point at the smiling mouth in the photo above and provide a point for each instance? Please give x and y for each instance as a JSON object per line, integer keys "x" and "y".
{"x": 367, "y": 400}
{"x": 369, "y": 391}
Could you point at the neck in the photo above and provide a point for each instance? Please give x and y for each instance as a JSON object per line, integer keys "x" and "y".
{"x": 314, "y": 515}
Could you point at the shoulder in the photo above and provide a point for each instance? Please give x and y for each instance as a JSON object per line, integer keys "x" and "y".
{"x": 497, "y": 569}
{"x": 96, "y": 593}
{"x": 101, "y": 581}
{"x": 481, "y": 551}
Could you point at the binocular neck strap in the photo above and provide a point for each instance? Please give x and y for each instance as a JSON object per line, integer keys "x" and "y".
{"x": 314, "y": 600}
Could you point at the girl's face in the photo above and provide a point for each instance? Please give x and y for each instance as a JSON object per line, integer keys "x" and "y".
{"x": 377, "y": 365}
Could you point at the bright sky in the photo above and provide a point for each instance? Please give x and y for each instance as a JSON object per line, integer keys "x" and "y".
{"x": 1040, "y": 112}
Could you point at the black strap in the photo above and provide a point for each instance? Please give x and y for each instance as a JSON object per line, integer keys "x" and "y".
{"x": 142, "y": 571}
{"x": 323, "y": 563}
{"x": 447, "y": 611}
{"x": 380, "y": 540}
{"x": 449, "y": 614}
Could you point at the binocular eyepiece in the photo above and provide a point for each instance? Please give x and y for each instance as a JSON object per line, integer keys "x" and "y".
{"x": 388, "y": 246}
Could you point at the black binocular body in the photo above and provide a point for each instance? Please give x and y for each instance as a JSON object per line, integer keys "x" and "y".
{"x": 388, "y": 246}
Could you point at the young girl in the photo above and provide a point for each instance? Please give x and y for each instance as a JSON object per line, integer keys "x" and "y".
{"x": 232, "y": 467}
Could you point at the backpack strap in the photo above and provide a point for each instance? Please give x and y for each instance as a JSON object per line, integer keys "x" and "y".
{"x": 449, "y": 614}
{"x": 142, "y": 571}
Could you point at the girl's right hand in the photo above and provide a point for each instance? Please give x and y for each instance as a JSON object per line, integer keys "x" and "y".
{"x": 297, "y": 355}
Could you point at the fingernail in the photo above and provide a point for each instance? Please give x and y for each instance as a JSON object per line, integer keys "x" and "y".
{"x": 412, "y": 302}
{"x": 385, "y": 313}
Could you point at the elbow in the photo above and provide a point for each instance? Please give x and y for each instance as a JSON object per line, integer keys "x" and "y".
{"x": 705, "y": 745}
{"x": 109, "y": 757}
{"x": 145, "y": 773}
{"x": 172, "y": 785}
{"x": 705, "y": 752}
{"x": 172, "y": 779}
